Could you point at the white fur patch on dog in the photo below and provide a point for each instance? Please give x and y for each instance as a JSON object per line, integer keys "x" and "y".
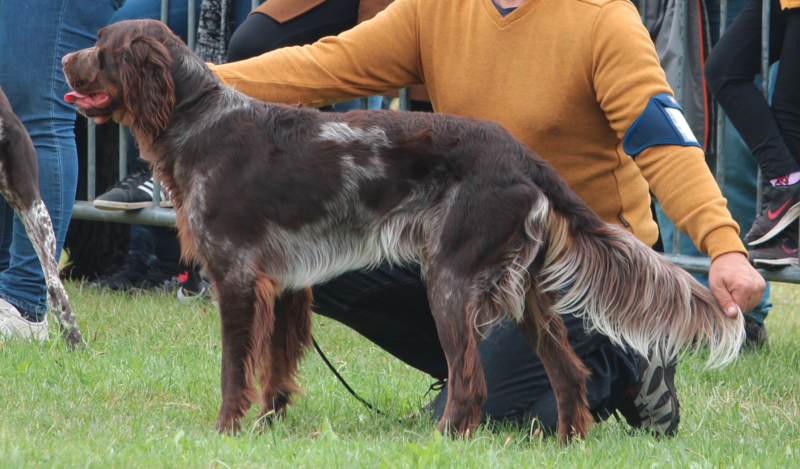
{"x": 342, "y": 133}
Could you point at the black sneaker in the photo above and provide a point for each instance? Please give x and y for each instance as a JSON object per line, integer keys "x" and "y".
{"x": 132, "y": 193}
{"x": 755, "y": 335}
{"x": 780, "y": 205}
{"x": 778, "y": 252}
{"x": 193, "y": 286}
{"x": 124, "y": 278}
{"x": 653, "y": 402}
{"x": 161, "y": 278}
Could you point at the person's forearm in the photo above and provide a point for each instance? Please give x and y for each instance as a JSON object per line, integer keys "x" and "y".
{"x": 681, "y": 181}
{"x": 376, "y": 56}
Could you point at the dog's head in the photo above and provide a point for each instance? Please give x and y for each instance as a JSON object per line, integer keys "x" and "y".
{"x": 130, "y": 67}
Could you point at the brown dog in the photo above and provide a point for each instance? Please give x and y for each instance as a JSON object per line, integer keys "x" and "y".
{"x": 274, "y": 199}
{"x": 19, "y": 185}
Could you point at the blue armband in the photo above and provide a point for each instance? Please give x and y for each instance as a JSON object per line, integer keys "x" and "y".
{"x": 661, "y": 123}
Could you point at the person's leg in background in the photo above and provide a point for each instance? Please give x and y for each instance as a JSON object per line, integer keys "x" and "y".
{"x": 731, "y": 71}
{"x": 786, "y": 87}
{"x": 35, "y": 85}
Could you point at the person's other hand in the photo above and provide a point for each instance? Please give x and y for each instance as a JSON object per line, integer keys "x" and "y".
{"x": 734, "y": 282}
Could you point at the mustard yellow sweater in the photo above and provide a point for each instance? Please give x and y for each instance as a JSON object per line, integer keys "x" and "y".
{"x": 566, "y": 77}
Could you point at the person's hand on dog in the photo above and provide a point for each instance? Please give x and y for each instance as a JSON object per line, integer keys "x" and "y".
{"x": 734, "y": 282}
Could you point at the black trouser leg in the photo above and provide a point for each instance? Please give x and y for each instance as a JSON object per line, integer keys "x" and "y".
{"x": 731, "y": 69}
{"x": 786, "y": 97}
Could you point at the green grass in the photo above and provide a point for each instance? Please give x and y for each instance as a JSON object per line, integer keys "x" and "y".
{"x": 151, "y": 398}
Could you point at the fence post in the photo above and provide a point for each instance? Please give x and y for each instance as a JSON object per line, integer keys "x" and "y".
{"x": 680, "y": 96}
{"x": 404, "y": 104}
{"x": 164, "y": 11}
{"x": 721, "y": 118}
{"x": 123, "y": 151}
{"x": 192, "y": 26}
{"x": 765, "y": 12}
{"x": 91, "y": 160}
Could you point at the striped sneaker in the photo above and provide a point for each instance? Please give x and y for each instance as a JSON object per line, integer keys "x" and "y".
{"x": 653, "y": 402}
{"x": 132, "y": 193}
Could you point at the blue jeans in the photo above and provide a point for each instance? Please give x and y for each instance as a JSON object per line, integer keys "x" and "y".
{"x": 740, "y": 190}
{"x": 34, "y": 35}
{"x": 178, "y": 10}
{"x": 373, "y": 102}
{"x": 389, "y": 306}
{"x": 142, "y": 246}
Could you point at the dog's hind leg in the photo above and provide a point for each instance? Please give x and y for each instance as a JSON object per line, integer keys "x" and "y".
{"x": 290, "y": 337}
{"x": 546, "y": 333}
{"x": 246, "y": 303}
{"x": 449, "y": 300}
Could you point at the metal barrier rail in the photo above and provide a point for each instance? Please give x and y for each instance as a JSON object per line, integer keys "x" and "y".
{"x": 166, "y": 217}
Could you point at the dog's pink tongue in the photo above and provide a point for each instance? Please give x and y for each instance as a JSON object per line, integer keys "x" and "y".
{"x": 97, "y": 100}
{"x": 73, "y": 96}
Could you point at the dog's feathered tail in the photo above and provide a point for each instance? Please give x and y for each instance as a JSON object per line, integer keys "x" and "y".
{"x": 627, "y": 291}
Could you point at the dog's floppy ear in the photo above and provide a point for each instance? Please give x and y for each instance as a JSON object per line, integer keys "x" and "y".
{"x": 147, "y": 85}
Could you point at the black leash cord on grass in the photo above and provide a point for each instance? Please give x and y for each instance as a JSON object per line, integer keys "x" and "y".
{"x": 341, "y": 380}
{"x": 437, "y": 386}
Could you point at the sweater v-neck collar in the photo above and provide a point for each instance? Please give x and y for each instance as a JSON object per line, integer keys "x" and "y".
{"x": 503, "y": 21}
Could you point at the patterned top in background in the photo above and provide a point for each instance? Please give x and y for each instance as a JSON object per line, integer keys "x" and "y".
{"x": 214, "y": 30}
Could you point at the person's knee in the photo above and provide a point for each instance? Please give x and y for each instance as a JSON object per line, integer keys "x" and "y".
{"x": 240, "y": 48}
{"x": 715, "y": 72}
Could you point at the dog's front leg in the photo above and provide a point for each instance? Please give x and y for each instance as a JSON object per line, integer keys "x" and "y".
{"x": 246, "y": 307}
{"x": 290, "y": 338}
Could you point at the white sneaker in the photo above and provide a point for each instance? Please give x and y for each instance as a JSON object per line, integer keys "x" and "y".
{"x": 12, "y": 324}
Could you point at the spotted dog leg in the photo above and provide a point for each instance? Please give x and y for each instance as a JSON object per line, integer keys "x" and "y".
{"x": 40, "y": 232}
{"x": 20, "y": 188}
